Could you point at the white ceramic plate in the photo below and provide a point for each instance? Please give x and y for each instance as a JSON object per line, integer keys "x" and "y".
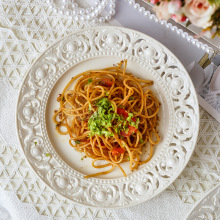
{"x": 208, "y": 208}
{"x": 58, "y": 164}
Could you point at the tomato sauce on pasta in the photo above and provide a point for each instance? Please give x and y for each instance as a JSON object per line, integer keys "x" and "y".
{"x": 109, "y": 115}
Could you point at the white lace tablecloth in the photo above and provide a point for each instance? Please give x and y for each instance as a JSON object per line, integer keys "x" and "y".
{"x": 27, "y": 28}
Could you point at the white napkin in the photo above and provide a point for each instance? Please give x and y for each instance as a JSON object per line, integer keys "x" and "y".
{"x": 207, "y": 85}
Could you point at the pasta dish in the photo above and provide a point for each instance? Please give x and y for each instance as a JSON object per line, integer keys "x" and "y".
{"x": 110, "y": 116}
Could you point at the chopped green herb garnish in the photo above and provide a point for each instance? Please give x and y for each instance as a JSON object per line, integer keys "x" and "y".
{"x": 113, "y": 107}
{"x": 47, "y": 155}
{"x": 77, "y": 142}
{"x": 128, "y": 158}
{"x": 83, "y": 157}
{"x": 130, "y": 116}
{"x": 105, "y": 117}
{"x": 141, "y": 141}
{"x": 89, "y": 81}
{"x": 104, "y": 103}
{"x": 135, "y": 124}
{"x": 35, "y": 142}
{"x": 90, "y": 107}
{"x": 102, "y": 119}
{"x": 106, "y": 93}
{"x": 131, "y": 98}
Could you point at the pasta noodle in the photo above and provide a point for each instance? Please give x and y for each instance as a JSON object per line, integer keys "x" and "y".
{"x": 110, "y": 116}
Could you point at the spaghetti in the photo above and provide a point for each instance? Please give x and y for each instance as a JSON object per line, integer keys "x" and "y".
{"x": 111, "y": 116}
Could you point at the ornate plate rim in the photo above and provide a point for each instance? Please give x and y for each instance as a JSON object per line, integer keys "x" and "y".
{"x": 199, "y": 203}
{"x": 163, "y": 47}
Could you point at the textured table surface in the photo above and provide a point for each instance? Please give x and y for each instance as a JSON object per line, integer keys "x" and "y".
{"x": 27, "y": 28}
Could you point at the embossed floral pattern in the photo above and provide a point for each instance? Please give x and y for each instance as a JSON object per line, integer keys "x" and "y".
{"x": 29, "y": 111}
{"x": 43, "y": 73}
{"x": 70, "y": 49}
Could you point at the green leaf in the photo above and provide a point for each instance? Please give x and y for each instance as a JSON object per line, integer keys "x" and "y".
{"x": 89, "y": 81}
{"x": 47, "y": 154}
{"x": 35, "y": 142}
{"x": 77, "y": 142}
{"x": 141, "y": 141}
{"x": 188, "y": 23}
{"x": 214, "y": 2}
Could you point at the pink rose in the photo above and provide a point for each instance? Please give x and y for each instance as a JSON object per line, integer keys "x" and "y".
{"x": 167, "y": 8}
{"x": 199, "y": 12}
{"x": 179, "y": 17}
{"x": 162, "y": 11}
{"x": 154, "y": 1}
{"x": 174, "y": 6}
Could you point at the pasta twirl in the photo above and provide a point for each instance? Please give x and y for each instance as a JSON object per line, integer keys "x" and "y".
{"x": 111, "y": 116}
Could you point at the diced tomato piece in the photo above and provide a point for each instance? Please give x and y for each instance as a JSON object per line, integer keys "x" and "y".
{"x": 117, "y": 151}
{"x": 106, "y": 82}
{"x": 121, "y": 150}
{"x": 122, "y": 112}
{"x": 130, "y": 131}
{"x": 126, "y": 134}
